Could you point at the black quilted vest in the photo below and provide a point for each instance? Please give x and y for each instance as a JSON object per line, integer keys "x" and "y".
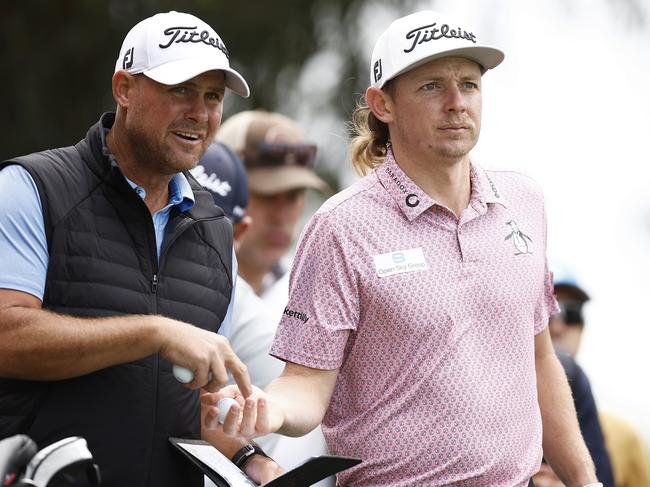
{"x": 102, "y": 262}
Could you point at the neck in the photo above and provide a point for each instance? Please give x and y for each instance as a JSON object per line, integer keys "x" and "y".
{"x": 156, "y": 186}
{"x": 445, "y": 180}
{"x": 253, "y": 275}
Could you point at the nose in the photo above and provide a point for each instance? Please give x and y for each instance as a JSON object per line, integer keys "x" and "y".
{"x": 198, "y": 110}
{"x": 455, "y": 101}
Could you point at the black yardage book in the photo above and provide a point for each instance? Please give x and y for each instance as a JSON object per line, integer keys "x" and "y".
{"x": 308, "y": 473}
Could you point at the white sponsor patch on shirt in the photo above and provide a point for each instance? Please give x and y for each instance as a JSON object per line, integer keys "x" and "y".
{"x": 400, "y": 261}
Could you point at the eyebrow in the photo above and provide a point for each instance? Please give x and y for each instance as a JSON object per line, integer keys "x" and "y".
{"x": 462, "y": 77}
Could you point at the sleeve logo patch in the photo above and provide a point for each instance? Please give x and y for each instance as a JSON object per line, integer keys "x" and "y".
{"x": 296, "y": 314}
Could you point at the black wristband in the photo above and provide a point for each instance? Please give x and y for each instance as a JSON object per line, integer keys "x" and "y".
{"x": 245, "y": 453}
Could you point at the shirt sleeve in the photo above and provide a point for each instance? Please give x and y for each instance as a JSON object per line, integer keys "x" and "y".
{"x": 224, "y": 329}
{"x": 23, "y": 246}
{"x": 323, "y": 305}
{"x": 547, "y": 305}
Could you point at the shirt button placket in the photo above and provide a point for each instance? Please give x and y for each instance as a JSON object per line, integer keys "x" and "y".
{"x": 461, "y": 247}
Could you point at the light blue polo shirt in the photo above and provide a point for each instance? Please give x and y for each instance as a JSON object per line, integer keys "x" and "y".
{"x": 23, "y": 246}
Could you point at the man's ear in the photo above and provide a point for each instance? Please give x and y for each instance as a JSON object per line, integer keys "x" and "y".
{"x": 239, "y": 229}
{"x": 122, "y": 85}
{"x": 380, "y": 103}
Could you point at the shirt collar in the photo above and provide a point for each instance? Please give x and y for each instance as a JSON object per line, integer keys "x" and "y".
{"x": 180, "y": 191}
{"x": 408, "y": 195}
{"x": 484, "y": 190}
{"x": 413, "y": 201}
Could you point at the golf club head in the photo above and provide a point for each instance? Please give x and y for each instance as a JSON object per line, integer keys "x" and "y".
{"x": 66, "y": 463}
{"x": 15, "y": 453}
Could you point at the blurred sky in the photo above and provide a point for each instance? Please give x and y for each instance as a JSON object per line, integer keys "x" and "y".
{"x": 570, "y": 106}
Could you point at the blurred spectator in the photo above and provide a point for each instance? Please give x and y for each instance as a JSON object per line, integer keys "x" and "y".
{"x": 222, "y": 173}
{"x": 279, "y": 168}
{"x": 567, "y": 327}
{"x": 627, "y": 454}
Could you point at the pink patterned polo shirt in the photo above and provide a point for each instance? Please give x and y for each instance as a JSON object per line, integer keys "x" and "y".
{"x": 431, "y": 320}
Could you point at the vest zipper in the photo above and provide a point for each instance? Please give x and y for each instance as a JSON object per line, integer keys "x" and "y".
{"x": 155, "y": 365}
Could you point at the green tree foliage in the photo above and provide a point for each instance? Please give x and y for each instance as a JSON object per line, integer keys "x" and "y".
{"x": 58, "y": 57}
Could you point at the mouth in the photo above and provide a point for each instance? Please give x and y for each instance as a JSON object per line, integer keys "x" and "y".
{"x": 278, "y": 238}
{"x": 188, "y": 136}
{"x": 454, "y": 126}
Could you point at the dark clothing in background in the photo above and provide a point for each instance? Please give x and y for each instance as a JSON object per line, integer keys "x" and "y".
{"x": 587, "y": 417}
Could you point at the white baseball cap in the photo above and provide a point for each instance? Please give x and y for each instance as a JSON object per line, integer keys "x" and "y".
{"x": 173, "y": 47}
{"x": 424, "y": 36}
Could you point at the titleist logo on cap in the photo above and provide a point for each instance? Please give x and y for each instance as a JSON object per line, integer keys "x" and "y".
{"x": 191, "y": 34}
{"x": 430, "y": 32}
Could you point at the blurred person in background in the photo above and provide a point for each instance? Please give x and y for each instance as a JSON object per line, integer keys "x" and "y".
{"x": 115, "y": 264}
{"x": 417, "y": 323}
{"x": 279, "y": 164}
{"x": 280, "y": 168}
{"x": 615, "y": 447}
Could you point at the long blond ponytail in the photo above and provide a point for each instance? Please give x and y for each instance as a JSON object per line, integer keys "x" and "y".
{"x": 369, "y": 140}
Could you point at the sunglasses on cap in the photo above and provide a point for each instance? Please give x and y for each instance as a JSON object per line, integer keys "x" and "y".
{"x": 571, "y": 313}
{"x": 270, "y": 155}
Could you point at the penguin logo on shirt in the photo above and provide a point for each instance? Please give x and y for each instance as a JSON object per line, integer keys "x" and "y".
{"x": 519, "y": 239}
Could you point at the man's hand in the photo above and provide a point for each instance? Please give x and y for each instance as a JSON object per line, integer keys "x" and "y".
{"x": 262, "y": 469}
{"x": 250, "y": 417}
{"x": 203, "y": 352}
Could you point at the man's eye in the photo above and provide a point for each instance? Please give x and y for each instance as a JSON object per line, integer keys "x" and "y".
{"x": 214, "y": 96}
{"x": 430, "y": 86}
{"x": 181, "y": 90}
{"x": 470, "y": 85}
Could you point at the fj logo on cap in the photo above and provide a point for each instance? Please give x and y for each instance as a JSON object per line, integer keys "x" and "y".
{"x": 127, "y": 62}
{"x": 428, "y": 33}
{"x": 191, "y": 34}
{"x": 377, "y": 70}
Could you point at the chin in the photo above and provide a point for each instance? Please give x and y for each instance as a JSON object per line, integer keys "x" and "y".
{"x": 274, "y": 254}
{"x": 185, "y": 163}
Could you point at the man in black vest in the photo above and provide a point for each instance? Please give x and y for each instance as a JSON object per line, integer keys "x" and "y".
{"x": 115, "y": 265}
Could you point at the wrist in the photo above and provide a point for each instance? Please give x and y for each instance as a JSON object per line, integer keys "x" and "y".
{"x": 262, "y": 469}
{"x": 158, "y": 334}
{"x": 246, "y": 453}
{"x": 277, "y": 414}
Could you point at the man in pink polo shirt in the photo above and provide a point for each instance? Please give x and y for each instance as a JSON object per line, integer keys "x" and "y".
{"x": 416, "y": 328}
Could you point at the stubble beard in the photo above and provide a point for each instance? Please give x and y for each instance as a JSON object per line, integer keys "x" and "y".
{"x": 461, "y": 148}
{"x": 156, "y": 155}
